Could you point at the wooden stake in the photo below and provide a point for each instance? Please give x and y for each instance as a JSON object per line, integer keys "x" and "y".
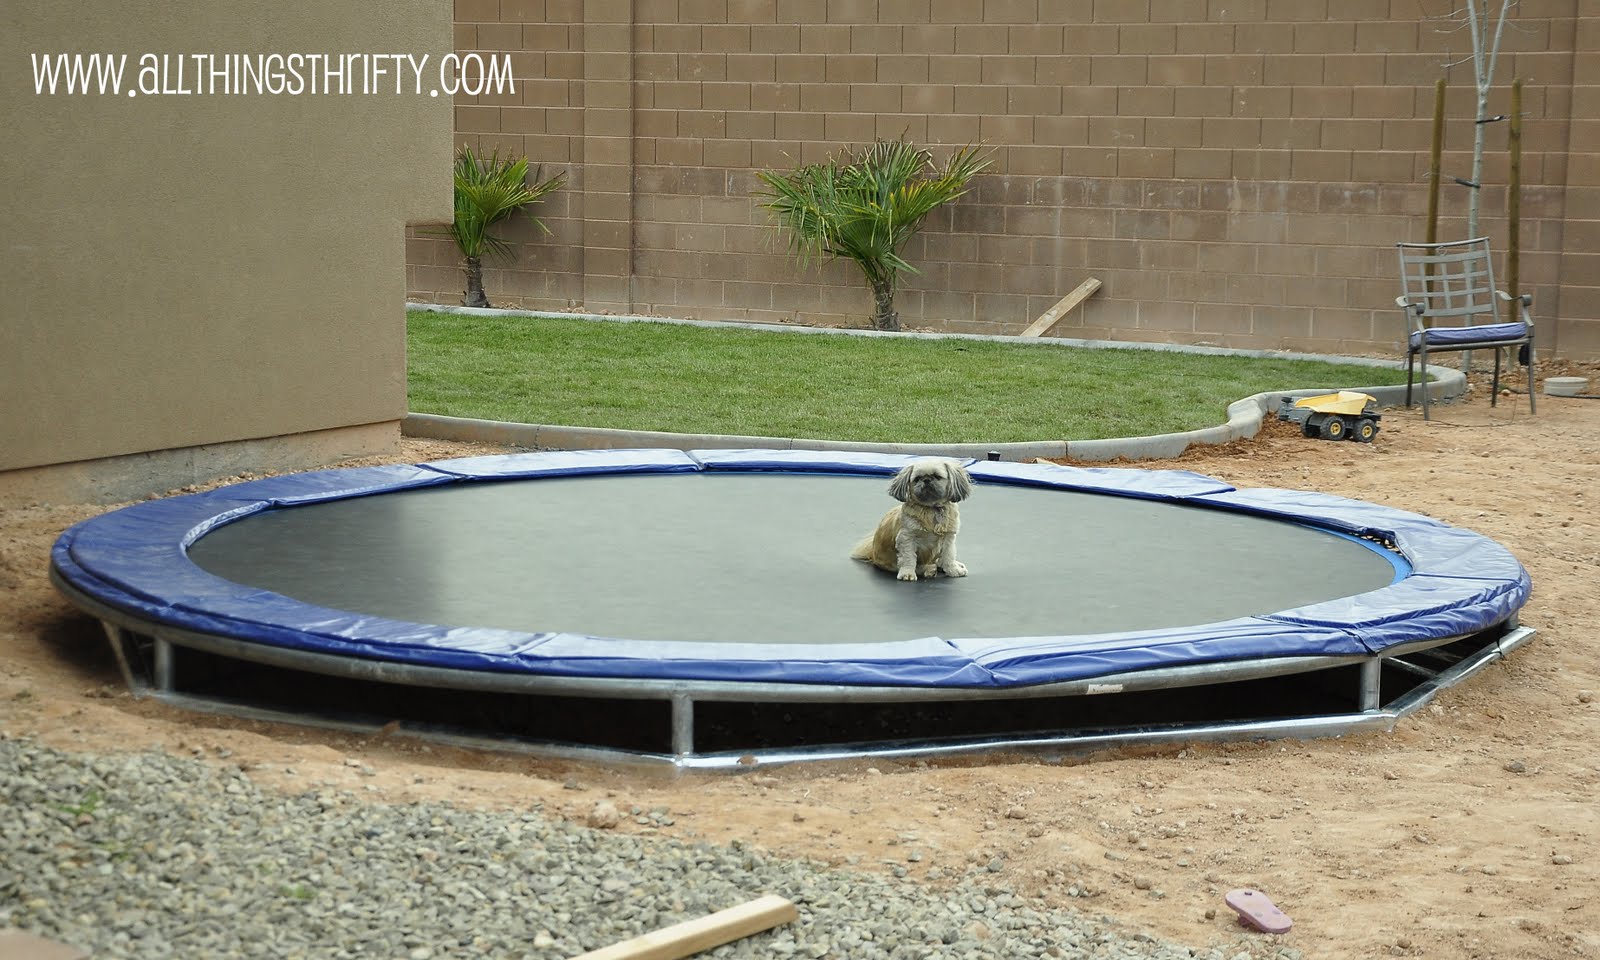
{"x": 1063, "y": 306}
{"x": 693, "y": 936}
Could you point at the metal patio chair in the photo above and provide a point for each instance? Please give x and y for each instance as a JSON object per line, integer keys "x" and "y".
{"x": 1451, "y": 305}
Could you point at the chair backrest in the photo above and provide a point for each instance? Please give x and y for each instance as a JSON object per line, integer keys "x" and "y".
{"x": 1453, "y": 282}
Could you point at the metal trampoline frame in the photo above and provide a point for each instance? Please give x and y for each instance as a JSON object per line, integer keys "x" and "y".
{"x": 158, "y": 683}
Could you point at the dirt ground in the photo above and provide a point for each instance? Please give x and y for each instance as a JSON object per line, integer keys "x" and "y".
{"x": 1471, "y": 830}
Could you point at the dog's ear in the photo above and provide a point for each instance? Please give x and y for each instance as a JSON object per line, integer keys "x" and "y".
{"x": 960, "y": 481}
{"x": 900, "y": 486}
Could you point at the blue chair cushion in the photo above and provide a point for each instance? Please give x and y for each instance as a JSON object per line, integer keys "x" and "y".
{"x": 1466, "y": 336}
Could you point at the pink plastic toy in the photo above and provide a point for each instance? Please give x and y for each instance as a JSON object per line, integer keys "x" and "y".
{"x": 1257, "y": 910}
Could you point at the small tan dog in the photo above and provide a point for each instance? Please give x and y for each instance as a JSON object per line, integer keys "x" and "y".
{"x": 918, "y": 538}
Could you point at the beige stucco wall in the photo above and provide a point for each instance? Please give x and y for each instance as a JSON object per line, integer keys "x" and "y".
{"x": 186, "y": 271}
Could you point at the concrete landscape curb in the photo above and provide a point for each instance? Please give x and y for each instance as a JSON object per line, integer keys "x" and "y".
{"x": 1244, "y": 416}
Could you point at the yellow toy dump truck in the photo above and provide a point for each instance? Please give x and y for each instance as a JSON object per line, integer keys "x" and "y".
{"x": 1345, "y": 415}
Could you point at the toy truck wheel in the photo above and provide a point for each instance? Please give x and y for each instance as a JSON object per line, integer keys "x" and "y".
{"x": 1333, "y": 428}
{"x": 1366, "y": 429}
{"x": 1311, "y": 426}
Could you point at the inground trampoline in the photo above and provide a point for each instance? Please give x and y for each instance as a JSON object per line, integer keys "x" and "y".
{"x": 699, "y": 608}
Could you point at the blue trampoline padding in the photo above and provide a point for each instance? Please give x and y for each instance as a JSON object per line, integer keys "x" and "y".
{"x": 566, "y": 463}
{"x": 804, "y": 461}
{"x": 1456, "y": 336}
{"x": 1144, "y": 484}
{"x": 1031, "y": 660}
{"x": 134, "y": 560}
{"x": 326, "y": 485}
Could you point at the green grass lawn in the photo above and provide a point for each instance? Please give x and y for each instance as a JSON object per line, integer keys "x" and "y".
{"x": 684, "y": 379}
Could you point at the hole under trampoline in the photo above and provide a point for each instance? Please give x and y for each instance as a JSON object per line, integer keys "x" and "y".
{"x": 699, "y": 609}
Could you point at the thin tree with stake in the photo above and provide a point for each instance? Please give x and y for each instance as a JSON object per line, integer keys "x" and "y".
{"x": 1485, "y": 28}
{"x": 1477, "y": 17}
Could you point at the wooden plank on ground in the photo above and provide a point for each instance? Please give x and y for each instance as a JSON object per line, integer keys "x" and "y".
{"x": 693, "y": 936}
{"x": 21, "y": 945}
{"x": 1063, "y": 306}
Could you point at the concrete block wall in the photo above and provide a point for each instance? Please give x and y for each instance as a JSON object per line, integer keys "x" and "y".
{"x": 1579, "y": 266}
{"x": 1235, "y": 173}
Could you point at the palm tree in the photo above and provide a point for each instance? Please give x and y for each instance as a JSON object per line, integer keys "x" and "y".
{"x": 487, "y": 192}
{"x": 866, "y": 209}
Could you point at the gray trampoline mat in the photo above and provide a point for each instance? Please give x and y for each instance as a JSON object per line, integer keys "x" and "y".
{"x": 763, "y": 558}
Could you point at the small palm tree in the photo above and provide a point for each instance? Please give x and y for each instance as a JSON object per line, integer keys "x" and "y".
{"x": 488, "y": 190}
{"x": 865, "y": 209}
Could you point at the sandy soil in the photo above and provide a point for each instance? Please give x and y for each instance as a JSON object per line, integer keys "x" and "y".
{"x": 1469, "y": 831}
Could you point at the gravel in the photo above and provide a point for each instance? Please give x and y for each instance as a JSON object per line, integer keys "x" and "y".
{"x": 150, "y": 855}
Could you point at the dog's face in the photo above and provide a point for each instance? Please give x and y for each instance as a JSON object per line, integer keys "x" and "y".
{"x": 931, "y": 482}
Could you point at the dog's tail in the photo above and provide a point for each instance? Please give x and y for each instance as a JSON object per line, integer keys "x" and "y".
{"x": 863, "y": 550}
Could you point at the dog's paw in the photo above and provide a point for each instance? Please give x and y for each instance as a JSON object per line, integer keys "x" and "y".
{"x": 957, "y": 569}
{"x": 906, "y": 574}
{"x": 927, "y": 570}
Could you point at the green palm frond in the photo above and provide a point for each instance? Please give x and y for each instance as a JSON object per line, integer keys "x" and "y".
{"x": 487, "y": 191}
{"x": 866, "y": 208}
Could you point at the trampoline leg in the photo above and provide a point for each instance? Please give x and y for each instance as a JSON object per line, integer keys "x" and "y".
{"x": 119, "y": 640}
{"x": 1424, "y": 363}
{"x": 682, "y": 725}
{"x": 1371, "y": 685}
{"x": 164, "y": 667}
